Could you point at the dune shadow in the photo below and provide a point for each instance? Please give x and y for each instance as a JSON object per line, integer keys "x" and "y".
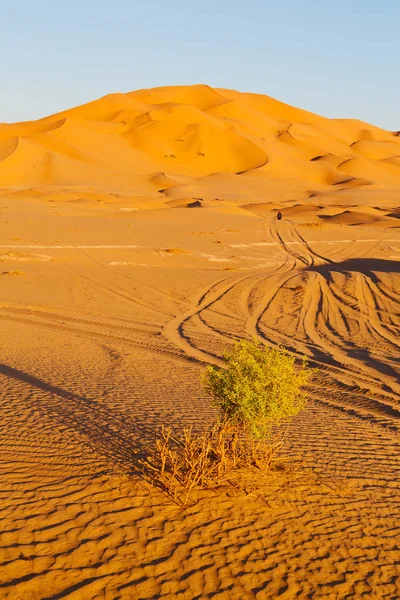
{"x": 359, "y": 265}
{"x": 115, "y": 436}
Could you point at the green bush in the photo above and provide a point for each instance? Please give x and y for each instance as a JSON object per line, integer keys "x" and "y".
{"x": 260, "y": 386}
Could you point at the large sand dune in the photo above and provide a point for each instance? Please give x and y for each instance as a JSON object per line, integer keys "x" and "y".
{"x": 121, "y": 141}
{"x": 138, "y": 238}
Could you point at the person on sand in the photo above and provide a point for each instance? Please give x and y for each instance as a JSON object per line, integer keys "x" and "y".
{"x": 279, "y": 215}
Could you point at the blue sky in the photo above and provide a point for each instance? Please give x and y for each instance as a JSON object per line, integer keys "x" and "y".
{"x": 338, "y": 59}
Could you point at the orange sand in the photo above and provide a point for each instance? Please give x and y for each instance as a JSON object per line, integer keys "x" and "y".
{"x": 138, "y": 237}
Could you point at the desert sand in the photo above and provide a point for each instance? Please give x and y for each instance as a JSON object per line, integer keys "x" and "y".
{"x": 138, "y": 239}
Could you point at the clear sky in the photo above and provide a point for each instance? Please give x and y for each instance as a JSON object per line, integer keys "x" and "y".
{"x": 338, "y": 59}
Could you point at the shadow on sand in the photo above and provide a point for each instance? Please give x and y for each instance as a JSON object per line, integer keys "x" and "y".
{"x": 114, "y": 436}
{"x": 367, "y": 266}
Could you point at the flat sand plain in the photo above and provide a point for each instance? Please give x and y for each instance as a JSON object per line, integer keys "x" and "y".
{"x": 138, "y": 238}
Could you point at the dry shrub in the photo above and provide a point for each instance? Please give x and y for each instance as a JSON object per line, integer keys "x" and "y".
{"x": 207, "y": 458}
{"x": 14, "y": 272}
{"x": 318, "y": 224}
{"x": 174, "y": 251}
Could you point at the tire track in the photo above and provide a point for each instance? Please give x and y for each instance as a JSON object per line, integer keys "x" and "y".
{"x": 91, "y": 330}
{"x": 349, "y": 334}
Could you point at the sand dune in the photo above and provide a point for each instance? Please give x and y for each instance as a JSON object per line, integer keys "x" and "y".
{"x": 122, "y": 140}
{"x": 355, "y": 217}
{"x": 145, "y": 225}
